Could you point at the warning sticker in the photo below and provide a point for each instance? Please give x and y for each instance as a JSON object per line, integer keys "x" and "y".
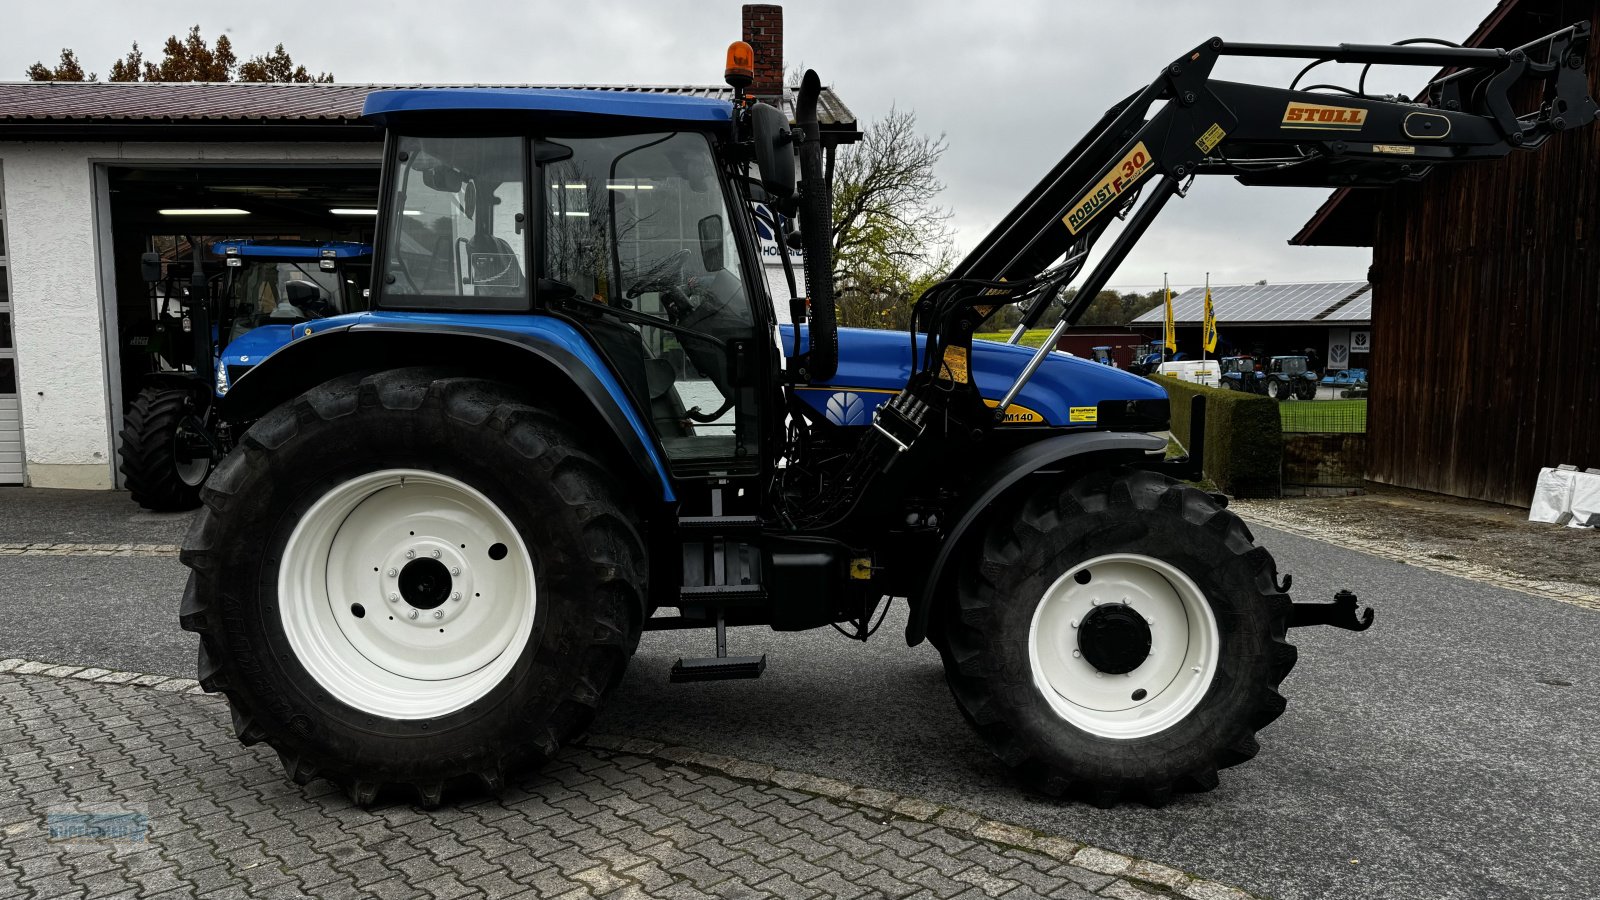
{"x": 1083, "y": 414}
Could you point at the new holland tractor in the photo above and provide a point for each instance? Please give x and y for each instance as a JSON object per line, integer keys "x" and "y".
{"x": 571, "y": 417}
{"x": 1290, "y": 376}
{"x": 173, "y": 434}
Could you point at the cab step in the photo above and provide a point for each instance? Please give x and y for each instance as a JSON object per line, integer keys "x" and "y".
{"x": 723, "y": 595}
{"x": 718, "y": 525}
{"x": 718, "y": 668}
{"x": 721, "y": 667}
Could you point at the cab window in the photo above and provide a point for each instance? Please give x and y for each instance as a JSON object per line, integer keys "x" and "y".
{"x": 456, "y": 222}
{"x": 639, "y": 223}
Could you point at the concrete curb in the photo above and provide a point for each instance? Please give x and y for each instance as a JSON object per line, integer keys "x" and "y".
{"x": 1136, "y": 879}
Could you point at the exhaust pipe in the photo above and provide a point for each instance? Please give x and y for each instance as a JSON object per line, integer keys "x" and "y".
{"x": 816, "y": 227}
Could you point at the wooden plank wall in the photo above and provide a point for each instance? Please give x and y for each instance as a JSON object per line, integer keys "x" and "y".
{"x": 1486, "y": 316}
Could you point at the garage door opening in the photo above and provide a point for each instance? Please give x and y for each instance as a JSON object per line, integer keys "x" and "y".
{"x": 178, "y": 217}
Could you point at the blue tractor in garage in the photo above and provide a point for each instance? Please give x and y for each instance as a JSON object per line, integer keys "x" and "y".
{"x": 573, "y": 415}
{"x": 214, "y": 326}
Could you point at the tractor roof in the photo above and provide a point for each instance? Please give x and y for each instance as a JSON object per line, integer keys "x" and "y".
{"x": 291, "y": 249}
{"x": 382, "y": 105}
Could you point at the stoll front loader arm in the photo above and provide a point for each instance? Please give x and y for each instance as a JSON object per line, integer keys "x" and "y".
{"x": 1151, "y": 146}
{"x": 1324, "y": 136}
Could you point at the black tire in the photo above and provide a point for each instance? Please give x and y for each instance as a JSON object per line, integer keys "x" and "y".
{"x": 587, "y": 554}
{"x": 1278, "y": 390}
{"x": 1037, "y": 538}
{"x": 1229, "y": 384}
{"x": 150, "y": 446}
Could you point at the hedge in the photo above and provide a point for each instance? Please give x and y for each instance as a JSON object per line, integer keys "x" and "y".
{"x": 1244, "y": 436}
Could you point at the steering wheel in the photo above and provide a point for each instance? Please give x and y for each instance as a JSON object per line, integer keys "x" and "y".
{"x": 671, "y": 283}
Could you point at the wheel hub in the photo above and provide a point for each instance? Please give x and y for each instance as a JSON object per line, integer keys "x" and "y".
{"x": 1123, "y": 645}
{"x": 1114, "y": 639}
{"x": 425, "y": 583}
{"x": 406, "y": 593}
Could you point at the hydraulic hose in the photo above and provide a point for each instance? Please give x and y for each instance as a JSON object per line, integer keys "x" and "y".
{"x": 816, "y": 225}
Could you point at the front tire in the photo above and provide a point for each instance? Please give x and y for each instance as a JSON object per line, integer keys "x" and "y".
{"x": 413, "y": 580}
{"x": 1120, "y": 637}
{"x": 160, "y": 465}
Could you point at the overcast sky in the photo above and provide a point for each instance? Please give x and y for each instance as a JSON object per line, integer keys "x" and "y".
{"x": 1011, "y": 84}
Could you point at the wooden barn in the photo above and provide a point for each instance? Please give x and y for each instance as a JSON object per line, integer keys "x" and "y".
{"x": 1486, "y": 310}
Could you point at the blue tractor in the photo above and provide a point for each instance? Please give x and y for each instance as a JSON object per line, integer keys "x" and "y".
{"x": 1289, "y": 377}
{"x": 173, "y": 434}
{"x": 574, "y": 414}
{"x": 1240, "y": 373}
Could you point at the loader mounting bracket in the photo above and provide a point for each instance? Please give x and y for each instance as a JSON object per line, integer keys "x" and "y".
{"x": 1341, "y": 612}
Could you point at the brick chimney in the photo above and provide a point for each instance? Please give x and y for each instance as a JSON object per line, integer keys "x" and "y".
{"x": 763, "y": 31}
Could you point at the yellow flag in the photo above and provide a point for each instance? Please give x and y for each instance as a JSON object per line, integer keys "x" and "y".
{"x": 1208, "y": 327}
{"x": 1171, "y": 341}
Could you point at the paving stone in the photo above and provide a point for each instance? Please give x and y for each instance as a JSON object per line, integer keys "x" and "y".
{"x": 604, "y": 819}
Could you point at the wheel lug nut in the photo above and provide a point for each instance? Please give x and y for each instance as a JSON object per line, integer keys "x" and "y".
{"x": 413, "y": 614}
{"x": 394, "y": 598}
{"x": 411, "y": 554}
{"x": 456, "y": 596}
{"x": 1074, "y": 623}
{"x": 438, "y": 614}
{"x": 1077, "y": 653}
{"x": 455, "y": 570}
{"x": 435, "y": 554}
{"x": 1095, "y": 602}
{"x": 393, "y": 572}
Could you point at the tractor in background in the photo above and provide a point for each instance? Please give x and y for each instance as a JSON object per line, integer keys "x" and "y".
{"x": 1240, "y": 373}
{"x": 212, "y": 324}
{"x": 1289, "y": 377}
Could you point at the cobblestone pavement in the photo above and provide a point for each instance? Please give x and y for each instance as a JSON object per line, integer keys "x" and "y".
{"x": 613, "y": 818}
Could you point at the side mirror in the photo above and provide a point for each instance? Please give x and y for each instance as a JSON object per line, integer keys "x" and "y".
{"x": 301, "y": 293}
{"x": 711, "y": 243}
{"x": 774, "y": 152}
{"x": 150, "y": 267}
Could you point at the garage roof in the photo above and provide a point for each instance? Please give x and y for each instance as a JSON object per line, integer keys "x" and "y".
{"x": 56, "y": 110}
{"x": 1310, "y": 303}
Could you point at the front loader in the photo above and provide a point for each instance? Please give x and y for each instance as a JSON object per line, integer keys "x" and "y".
{"x": 572, "y": 416}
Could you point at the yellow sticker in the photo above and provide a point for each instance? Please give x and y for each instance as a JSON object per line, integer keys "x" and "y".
{"x": 1323, "y": 118}
{"x": 1211, "y": 138}
{"x": 1103, "y": 195}
{"x": 1403, "y": 149}
{"x": 1016, "y": 414}
{"x": 1083, "y": 414}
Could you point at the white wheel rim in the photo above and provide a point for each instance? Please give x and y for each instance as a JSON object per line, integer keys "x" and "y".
{"x": 1173, "y": 678}
{"x": 415, "y": 651}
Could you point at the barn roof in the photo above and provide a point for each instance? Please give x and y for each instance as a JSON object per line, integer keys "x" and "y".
{"x": 1278, "y": 304}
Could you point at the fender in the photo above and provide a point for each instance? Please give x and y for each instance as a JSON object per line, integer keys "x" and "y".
{"x": 516, "y": 357}
{"x": 1042, "y": 458}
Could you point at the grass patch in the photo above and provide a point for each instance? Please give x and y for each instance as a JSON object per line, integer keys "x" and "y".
{"x": 1324, "y": 416}
{"x": 1033, "y": 337}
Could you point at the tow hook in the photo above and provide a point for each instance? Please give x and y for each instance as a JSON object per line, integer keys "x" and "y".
{"x": 1341, "y": 612}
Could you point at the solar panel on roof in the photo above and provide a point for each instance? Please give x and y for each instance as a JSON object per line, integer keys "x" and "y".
{"x": 1261, "y": 302}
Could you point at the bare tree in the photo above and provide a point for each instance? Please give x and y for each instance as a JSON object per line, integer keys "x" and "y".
{"x": 890, "y": 239}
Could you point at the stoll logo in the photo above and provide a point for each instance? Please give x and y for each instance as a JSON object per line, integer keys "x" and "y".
{"x": 1324, "y": 118}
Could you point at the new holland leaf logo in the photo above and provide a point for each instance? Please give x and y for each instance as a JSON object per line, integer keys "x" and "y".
{"x": 1324, "y": 118}
{"x": 1122, "y": 176}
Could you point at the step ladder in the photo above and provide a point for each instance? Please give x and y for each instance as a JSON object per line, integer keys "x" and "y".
{"x": 715, "y": 593}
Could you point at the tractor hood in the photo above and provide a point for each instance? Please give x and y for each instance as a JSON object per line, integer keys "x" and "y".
{"x": 246, "y": 350}
{"x": 874, "y": 365}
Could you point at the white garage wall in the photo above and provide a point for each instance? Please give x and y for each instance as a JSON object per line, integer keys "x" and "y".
{"x": 63, "y": 309}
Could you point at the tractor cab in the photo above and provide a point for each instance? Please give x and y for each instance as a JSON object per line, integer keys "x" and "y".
{"x": 598, "y": 221}
{"x": 268, "y": 287}
{"x": 1241, "y": 373}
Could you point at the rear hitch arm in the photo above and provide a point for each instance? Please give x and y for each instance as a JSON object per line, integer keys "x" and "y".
{"x": 1341, "y": 612}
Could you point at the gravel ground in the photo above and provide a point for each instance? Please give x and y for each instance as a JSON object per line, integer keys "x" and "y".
{"x": 1483, "y": 541}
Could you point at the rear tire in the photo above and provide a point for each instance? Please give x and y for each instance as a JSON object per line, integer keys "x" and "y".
{"x": 350, "y": 518}
{"x": 155, "y": 466}
{"x": 1046, "y": 698}
{"x": 1277, "y": 390}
